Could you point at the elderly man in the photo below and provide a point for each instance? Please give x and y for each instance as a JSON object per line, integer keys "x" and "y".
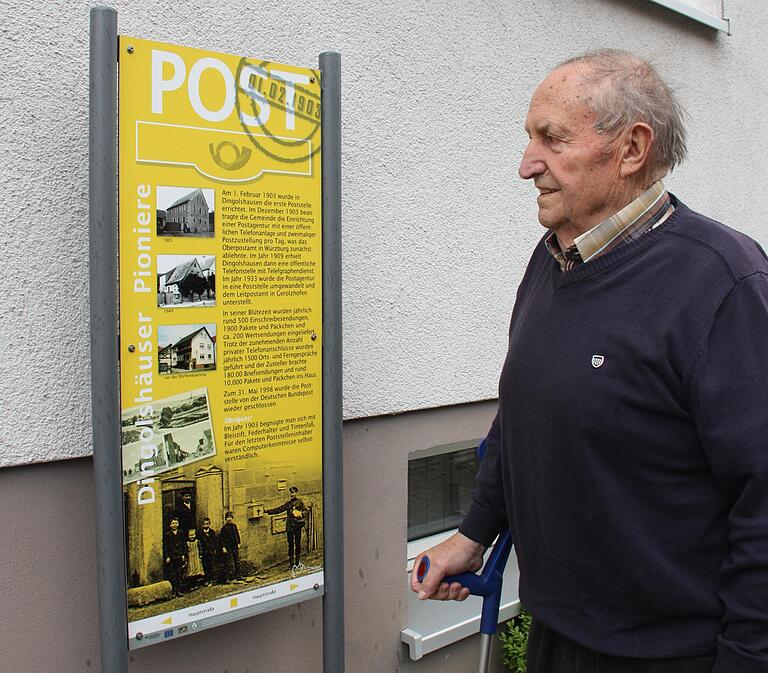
{"x": 629, "y": 455}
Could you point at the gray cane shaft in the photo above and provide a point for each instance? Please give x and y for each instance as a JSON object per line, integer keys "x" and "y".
{"x": 486, "y": 647}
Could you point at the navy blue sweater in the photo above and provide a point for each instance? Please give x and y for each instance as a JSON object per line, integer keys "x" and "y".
{"x": 630, "y": 452}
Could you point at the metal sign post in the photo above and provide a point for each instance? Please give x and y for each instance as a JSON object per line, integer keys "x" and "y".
{"x": 105, "y": 404}
{"x": 224, "y": 387}
{"x": 333, "y": 601}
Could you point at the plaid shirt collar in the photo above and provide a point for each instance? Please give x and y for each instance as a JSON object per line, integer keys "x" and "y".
{"x": 647, "y": 211}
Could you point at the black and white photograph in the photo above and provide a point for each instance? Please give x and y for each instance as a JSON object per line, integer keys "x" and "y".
{"x": 176, "y": 432}
{"x": 186, "y": 348}
{"x": 213, "y": 525}
{"x": 185, "y": 211}
{"x": 186, "y": 281}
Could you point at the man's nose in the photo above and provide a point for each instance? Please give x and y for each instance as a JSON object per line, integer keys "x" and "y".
{"x": 530, "y": 165}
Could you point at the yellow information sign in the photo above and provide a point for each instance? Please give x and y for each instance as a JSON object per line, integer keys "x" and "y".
{"x": 220, "y": 334}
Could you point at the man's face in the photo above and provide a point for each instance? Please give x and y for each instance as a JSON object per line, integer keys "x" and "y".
{"x": 572, "y": 166}
{"x": 187, "y": 498}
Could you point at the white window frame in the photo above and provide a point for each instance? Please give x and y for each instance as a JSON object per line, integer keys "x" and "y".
{"x": 692, "y": 11}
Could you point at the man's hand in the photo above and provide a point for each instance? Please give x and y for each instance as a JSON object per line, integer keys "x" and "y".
{"x": 457, "y": 554}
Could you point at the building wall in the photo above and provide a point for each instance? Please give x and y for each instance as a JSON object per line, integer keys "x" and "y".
{"x": 192, "y": 214}
{"x": 437, "y": 225}
{"x": 437, "y": 231}
{"x": 202, "y": 350}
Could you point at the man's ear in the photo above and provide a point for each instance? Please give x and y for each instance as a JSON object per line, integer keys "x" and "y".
{"x": 635, "y": 150}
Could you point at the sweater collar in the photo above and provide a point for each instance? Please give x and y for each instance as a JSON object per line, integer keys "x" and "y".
{"x": 632, "y": 221}
{"x": 622, "y": 252}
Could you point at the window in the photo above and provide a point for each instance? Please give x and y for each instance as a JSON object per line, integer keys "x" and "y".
{"x": 439, "y": 491}
{"x": 440, "y": 483}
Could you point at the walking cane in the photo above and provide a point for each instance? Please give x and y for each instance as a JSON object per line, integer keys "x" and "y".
{"x": 486, "y": 584}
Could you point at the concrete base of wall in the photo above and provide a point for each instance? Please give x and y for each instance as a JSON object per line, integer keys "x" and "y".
{"x": 48, "y": 606}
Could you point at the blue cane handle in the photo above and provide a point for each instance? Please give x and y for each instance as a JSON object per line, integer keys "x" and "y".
{"x": 487, "y": 584}
{"x": 472, "y": 581}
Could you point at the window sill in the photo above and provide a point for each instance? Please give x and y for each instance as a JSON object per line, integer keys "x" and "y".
{"x": 435, "y": 624}
{"x": 692, "y": 11}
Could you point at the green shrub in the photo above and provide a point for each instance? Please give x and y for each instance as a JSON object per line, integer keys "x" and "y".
{"x": 514, "y": 642}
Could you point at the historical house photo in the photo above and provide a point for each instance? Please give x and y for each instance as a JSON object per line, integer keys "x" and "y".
{"x": 161, "y": 435}
{"x": 251, "y": 521}
{"x": 185, "y": 211}
{"x": 186, "y": 348}
{"x": 186, "y": 280}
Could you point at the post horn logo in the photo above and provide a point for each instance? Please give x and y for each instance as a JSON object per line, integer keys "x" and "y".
{"x": 597, "y": 361}
{"x": 229, "y": 156}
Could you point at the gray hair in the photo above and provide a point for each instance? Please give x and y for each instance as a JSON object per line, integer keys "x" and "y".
{"x": 627, "y": 89}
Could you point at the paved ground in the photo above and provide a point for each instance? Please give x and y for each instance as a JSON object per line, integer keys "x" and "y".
{"x": 271, "y": 575}
{"x": 190, "y": 304}
{"x": 188, "y": 234}
{"x": 184, "y": 370}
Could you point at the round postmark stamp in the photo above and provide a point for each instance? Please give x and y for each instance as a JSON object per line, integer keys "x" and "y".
{"x": 266, "y": 91}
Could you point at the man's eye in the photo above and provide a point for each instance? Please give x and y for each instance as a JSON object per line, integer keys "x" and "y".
{"x": 552, "y": 141}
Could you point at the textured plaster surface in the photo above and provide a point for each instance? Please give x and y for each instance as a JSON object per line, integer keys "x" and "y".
{"x": 437, "y": 226}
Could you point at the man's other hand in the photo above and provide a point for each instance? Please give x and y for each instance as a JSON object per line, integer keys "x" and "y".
{"x": 455, "y": 555}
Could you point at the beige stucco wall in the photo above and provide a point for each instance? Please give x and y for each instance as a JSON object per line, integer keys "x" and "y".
{"x": 437, "y": 225}
{"x": 437, "y": 230}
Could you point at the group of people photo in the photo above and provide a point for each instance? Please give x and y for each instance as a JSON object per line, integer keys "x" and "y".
{"x": 193, "y": 557}
{"x": 199, "y": 556}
